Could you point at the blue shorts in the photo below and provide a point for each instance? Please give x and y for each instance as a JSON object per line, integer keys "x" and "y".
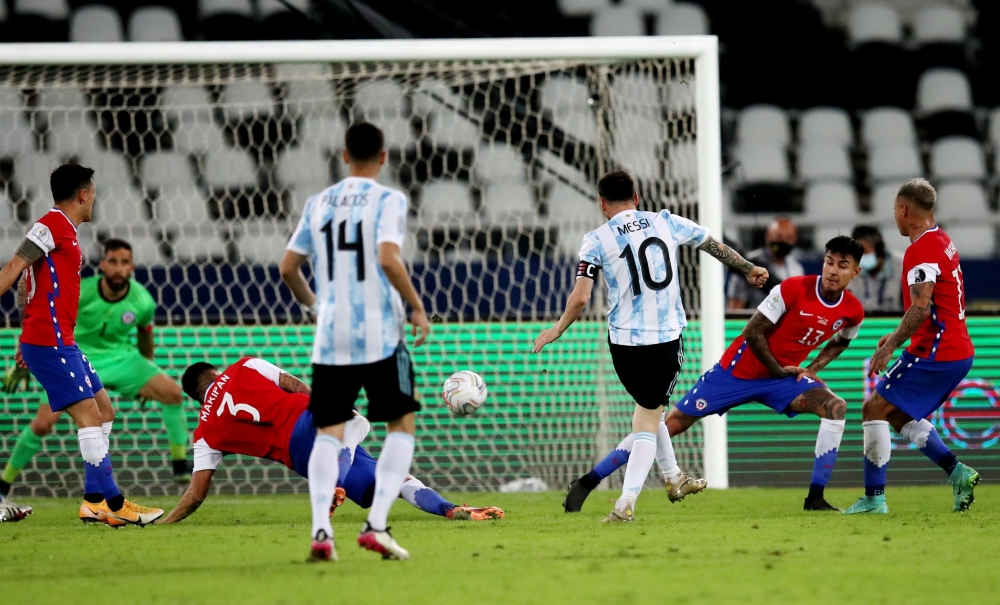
{"x": 359, "y": 484}
{"x": 718, "y": 391}
{"x": 919, "y": 386}
{"x": 63, "y": 372}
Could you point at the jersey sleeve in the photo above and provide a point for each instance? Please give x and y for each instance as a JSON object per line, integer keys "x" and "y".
{"x": 850, "y": 332}
{"x": 265, "y": 368}
{"x": 590, "y": 257}
{"x": 205, "y": 458}
{"x": 41, "y": 236}
{"x": 775, "y": 305}
{"x": 924, "y": 272}
{"x": 391, "y": 227}
{"x": 685, "y": 231}
{"x": 301, "y": 241}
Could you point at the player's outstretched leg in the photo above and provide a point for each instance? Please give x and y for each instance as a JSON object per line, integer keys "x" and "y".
{"x": 644, "y": 427}
{"x": 429, "y": 501}
{"x": 963, "y": 478}
{"x": 878, "y": 447}
{"x": 581, "y": 488}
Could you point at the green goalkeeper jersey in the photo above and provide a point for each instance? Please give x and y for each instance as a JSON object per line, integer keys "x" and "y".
{"x": 105, "y": 328}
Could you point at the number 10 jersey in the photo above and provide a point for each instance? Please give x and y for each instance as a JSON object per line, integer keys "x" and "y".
{"x": 361, "y": 316}
{"x": 637, "y": 252}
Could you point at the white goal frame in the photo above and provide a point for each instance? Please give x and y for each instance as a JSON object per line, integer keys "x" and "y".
{"x": 703, "y": 49}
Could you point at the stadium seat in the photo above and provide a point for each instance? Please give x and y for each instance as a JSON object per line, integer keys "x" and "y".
{"x": 55, "y": 10}
{"x": 825, "y": 232}
{"x": 321, "y": 131}
{"x": 763, "y": 163}
{"x": 574, "y": 214}
{"x": 993, "y": 132}
{"x": 263, "y": 242}
{"x": 974, "y": 241}
{"x": 304, "y": 169}
{"x": 202, "y": 244}
{"x": 277, "y": 22}
{"x": 375, "y": 99}
{"x": 883, "y": 201}
{"x": 874, "y": 22}
{"x": 963, "y": 202}
{"x": 681, "y": 160}
{"x": 641, "y": 156}
{"x": 306, "y": 87}
{"x": 511, "y": 204}
{"x": 566, "y": 94}
{"x": 246, "y": 100}
{"x": 96, "y": 23}
{"x": 617, "y": 21}
{"x": 39, "y": 21}
{"x": 452, "y": 129}
{"x": 110, "y": 169}
{"x": 879, "y": 69}
{"x": 498, "y": 163}
{"x": 887, "y": 125}
{"x": 227, "y": 20}
{"x": 18, "y": 137}
{"x": 944, "y": 103}
{"x": 957, "y": 157}
{"x": 154, "y": 24}
{"x": 681, "y": 19}
{"x": 168, "y": 181}
{"x": 897, "y": 161}
{"x": 646, "y": 6}
{"x": 826, "y": 125}
{"x": 189, "y": 113}
{"x": 939, "y": 32}
{"x": 166, "y": 169}
{"x": 893, "y": 240}
{"x": 581, "y": 8}
{"x": 230, "y": 169}
{"x": 763, "y": 124}
{"x": 637, "y": 91}
{"x": 446, "y": 202}
{"x": 832, "y": 202}
{"x": 824, "y": 161}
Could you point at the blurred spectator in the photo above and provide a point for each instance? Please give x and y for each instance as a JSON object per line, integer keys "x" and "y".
{"x": 775, "y": 256}
{"x": 878, "y": 286}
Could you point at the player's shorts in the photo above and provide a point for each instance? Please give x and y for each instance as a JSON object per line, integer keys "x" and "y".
{"x": 125, "y": 373}
{"x": 64, "y": 372}
{"x": 359, "y": 484}
{"x": 718, "y": 391}
{"x": 919, "y": 386}
{"x": 388, "y": 384}
{"x": 649, "y": 372}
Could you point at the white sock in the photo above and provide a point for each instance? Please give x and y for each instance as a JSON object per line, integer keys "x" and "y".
{"x": 625, "y": 444}
{"x": 355, "y": 431}
{"x": 665, "y": 458}
{"x": 639, "y": 463}
{"x": 830, "y": 434}
{"x": 409, "y": 490}
{"x": 324, "y": 468}
{"x": 106, "y": 431}
{"x": 92, "y": 446}
{"x": 878, "y": 442}
{"x": 917, "y": 432}
{"x": 391, "y": 470}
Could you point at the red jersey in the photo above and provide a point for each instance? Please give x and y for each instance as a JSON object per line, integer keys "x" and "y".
{"x": 943, "y": 336}
{"x": 246, "y": 412}
{"x": 53, "y": 282}
{"x": 802, "y": 322}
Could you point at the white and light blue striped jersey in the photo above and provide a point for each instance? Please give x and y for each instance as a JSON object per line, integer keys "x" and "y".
{"x": 361, "y": 316}
{"x": 637, "y": 252}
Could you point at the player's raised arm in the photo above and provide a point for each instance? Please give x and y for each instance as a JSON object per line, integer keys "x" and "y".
{"x": 756, "y": 276}
{"x": 578, "y": 299}
{"x": 24, "y": 257}
{"x": 921, "y": 295}
{"x": 196, "y": 493}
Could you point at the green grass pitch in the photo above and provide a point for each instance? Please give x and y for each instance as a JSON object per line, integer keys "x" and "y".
{"x": 737, "y": 546}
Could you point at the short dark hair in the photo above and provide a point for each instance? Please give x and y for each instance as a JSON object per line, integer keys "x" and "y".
{"x": 364, "y": 141}
{"x": 112, "y": 244}
{"x": 616, "y": 186}
{"x": 67, "y": 179}
{"x": 845, "y": 246}
{"x": 920, "y": 192}
{"x": 192, "y": 376}
{"x": 872, "y": 235}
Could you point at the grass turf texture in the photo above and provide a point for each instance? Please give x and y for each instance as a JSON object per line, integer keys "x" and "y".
{"x": 741, "y": 545}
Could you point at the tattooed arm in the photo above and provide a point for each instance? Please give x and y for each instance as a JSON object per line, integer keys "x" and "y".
{"x": 293, "y": 384}
{"x": 753, "y": 333}
{"x": 922, "y": 295}
{"x": 831, "y": 351}
{"x": 22, "y": 298}
{"x": 757, "y": 276}
{"x": 25, "y": 256}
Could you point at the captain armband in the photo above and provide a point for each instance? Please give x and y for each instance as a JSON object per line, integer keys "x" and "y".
{"x": 585, "y": 269}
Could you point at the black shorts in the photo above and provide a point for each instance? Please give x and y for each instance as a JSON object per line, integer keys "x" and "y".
{"x": 649, "y": 373}
{"x": 388, "y": 384}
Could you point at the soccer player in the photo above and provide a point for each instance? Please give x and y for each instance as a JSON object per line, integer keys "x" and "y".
{"x": 352, "y": 232}
{"x": 51, "y": 257}
{"x": 763, "y": 366}
{"x": 638, "y": 253}
{"x": 112, "y": 306}
{"x": 938, "y": 358}
{"x": 256, "y": 409}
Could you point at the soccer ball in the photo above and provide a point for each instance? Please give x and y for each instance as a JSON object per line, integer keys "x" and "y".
{"x": 464, "y": 392}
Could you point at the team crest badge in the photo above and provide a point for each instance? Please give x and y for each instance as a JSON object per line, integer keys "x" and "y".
{"x": 87, "y": 380}
{"x": 837, "y": 324}
{"x": 128, "y": 317}
{"x": 701, "y": 404}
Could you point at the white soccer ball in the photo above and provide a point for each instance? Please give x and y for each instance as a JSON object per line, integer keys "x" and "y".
{"x": 464, "y": 393}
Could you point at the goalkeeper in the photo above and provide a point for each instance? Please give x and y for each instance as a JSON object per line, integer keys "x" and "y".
{"x": 112, "y": 306}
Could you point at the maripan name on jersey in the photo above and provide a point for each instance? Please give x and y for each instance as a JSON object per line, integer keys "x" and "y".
{"x": 361, "y": 316}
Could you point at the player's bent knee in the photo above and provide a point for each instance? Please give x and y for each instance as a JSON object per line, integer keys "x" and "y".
{"x": 836, "y": 408}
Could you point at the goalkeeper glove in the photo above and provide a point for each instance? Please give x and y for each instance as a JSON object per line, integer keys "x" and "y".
{"x": 15, "y": 376}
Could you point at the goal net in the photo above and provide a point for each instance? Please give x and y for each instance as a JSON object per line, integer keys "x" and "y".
{"x": 204, "y": 168}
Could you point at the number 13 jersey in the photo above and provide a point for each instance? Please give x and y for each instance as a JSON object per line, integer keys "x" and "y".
{"x": 638, "y": 254}
{"x": 361, "y": 316}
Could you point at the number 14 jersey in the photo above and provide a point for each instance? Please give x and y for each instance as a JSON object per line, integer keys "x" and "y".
{"x": 361, "y": 316}
{"x": 638, "y": 253}
{"x": 803, "y": 321}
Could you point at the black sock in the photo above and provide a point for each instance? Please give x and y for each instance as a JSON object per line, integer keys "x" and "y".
{"x": 4, "y": 488}
{"x": 116, "y": 503}
{"x": 94, "y": 498}
{"x": 948, "y": 463}
{"x": 588, "y": 482}
{"x": 180, "y": 467}
{"x": 815, "y": 492}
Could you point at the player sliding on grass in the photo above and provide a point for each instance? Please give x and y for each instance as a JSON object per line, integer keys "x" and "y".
{"x": 256, "y": 409}
{"x": 939, "y": 356}
{"x": 646, "y": 316}
{"x": 51, "y": 257}
{"x": 113, "y": 306}
{"x": 763, "y": 366}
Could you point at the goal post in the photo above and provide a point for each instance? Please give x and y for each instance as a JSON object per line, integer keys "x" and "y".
{"x": 493, "y": 139}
